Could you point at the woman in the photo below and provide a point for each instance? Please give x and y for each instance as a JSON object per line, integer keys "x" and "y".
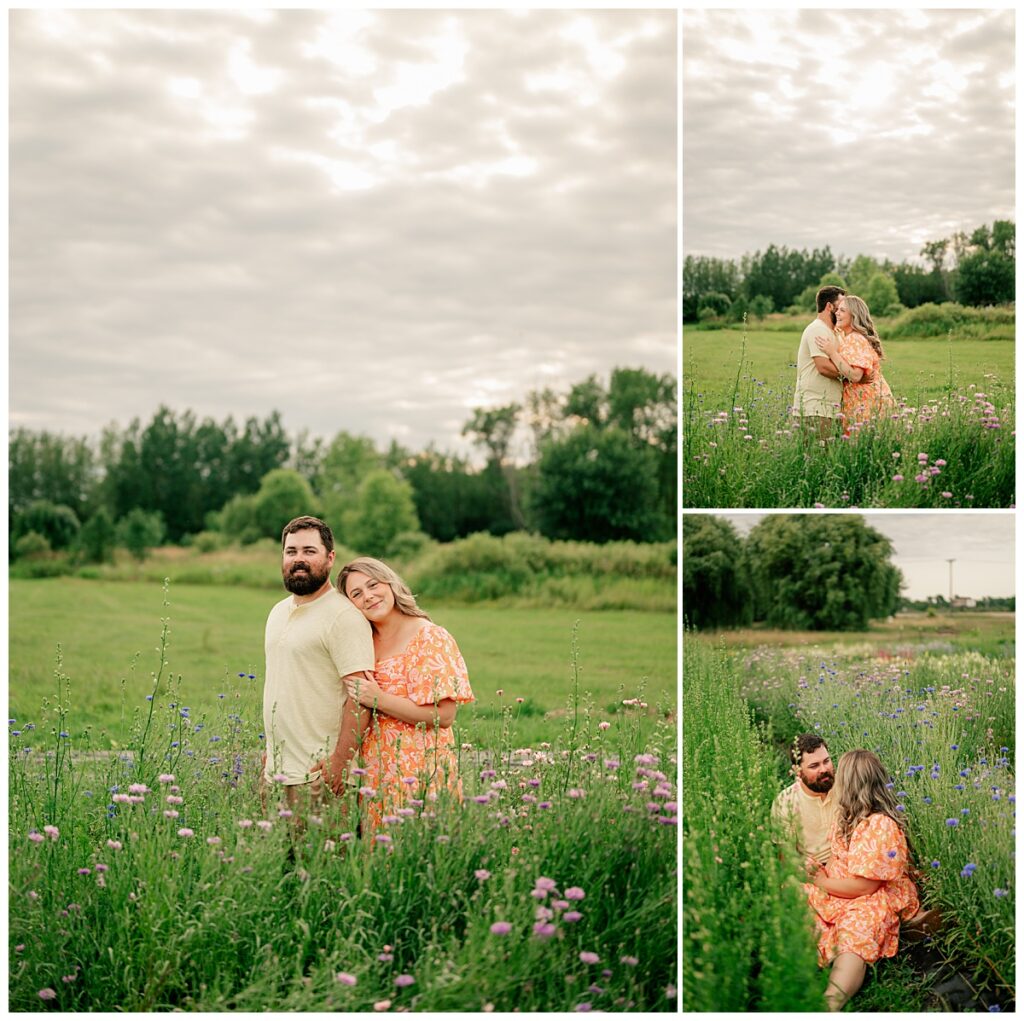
{"x": 418, "y": 682}
{"x": 864, "y": 891}
{"x": 857, "y": 355}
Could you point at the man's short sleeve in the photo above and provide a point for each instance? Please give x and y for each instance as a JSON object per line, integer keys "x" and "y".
{"x": 350, "y": 643}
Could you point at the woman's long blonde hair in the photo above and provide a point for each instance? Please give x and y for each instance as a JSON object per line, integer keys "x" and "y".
{"x": 860, "y": 790}
{"x": 405, "y": 601}
{"x": 861, "y": 321}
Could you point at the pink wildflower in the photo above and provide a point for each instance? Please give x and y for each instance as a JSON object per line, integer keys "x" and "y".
{"x": 501, "y": 928}
{"x": 345, "y": 978}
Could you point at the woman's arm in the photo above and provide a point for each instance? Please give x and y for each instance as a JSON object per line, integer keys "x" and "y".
{"x": 855, "y": 886}
{"x": 845, "y": 369}
{"x": 370, "y": 694}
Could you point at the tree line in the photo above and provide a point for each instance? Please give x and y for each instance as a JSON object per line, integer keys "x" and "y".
{"x": 976, "y": 269}
{"x": 796, "y": 572}
{"x": 601, "y": 467}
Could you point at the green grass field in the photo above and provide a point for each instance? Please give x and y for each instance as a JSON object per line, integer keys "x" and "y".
{"x": 948, "y": 442}
{"x": 153, "y": 879}
{"x": 914, "y": 368}
{"x": 217, "y": 633}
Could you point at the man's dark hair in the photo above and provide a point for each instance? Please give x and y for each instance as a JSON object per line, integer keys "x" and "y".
{"x": 299, "y": 524}
{"x": 803, "y": 744}
{"x": 829, "y": 293}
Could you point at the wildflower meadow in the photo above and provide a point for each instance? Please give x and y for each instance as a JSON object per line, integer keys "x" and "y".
{"x": 949, "y": 442}
{"x": 943, "y": 724}
{"x": 149, "y": 878}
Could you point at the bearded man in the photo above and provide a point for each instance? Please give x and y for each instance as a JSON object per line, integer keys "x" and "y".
{"x": 316, "y": 640}
{"x": 807, "y": 808}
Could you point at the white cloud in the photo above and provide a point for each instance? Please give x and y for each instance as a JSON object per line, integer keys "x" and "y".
{"x": 905, "y": 118}
{"x": 317, "y": 211}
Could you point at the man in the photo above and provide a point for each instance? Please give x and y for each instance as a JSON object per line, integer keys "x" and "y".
{"x": 808, "y": 804}
{"x": 316, "y": 640}
{"x": 819, "y": 391}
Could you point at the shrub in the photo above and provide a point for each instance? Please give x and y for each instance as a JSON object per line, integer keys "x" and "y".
{"x": 58, "y": 524}
{"x": 931, "y": 320}
{"x": 96, "y": 539}
{"x": 138, "y": 531}
{"x": 30, "y": 545}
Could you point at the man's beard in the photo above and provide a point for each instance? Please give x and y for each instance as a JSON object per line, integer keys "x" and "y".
{"x": 305, "y": 584}
{"x": 822, "y": 785}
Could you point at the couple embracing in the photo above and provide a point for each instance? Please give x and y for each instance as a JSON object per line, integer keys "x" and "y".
{"x": 838, "y": 368}
{"x": 361, "y": 687}
{"x": 847, "y": 824}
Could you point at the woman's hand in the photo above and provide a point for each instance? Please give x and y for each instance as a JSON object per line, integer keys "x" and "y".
{"x": 819, "y": 879}
{"x": 366, "y": 691}
{"x": 829, "y": 347}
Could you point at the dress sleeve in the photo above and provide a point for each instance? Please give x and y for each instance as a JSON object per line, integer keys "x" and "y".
{"x": 437, "y": 670}
{"x": 858, "y": 351}
{"x": 878, "y": 849}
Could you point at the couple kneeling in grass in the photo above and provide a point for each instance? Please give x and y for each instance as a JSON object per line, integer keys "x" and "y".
{"x": 852, "y": 835}
{"x": 360, "y": 689}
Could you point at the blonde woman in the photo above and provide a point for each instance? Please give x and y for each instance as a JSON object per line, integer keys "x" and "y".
{"x": 857, "y": 356}
{"x": 864, "y": 891}
{"x": 419, "y": 681}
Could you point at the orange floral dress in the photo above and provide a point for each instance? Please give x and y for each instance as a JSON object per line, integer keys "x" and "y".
{"x": 870, "y": 398}
{"x": 401, "y": 760}
{"x": 866, "y": 926}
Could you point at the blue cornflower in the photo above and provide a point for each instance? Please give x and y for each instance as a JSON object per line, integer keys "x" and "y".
{"x": 935, "y": 863}
{"x": 927, "y": 801}
{"x": 952, "y": 822}
{"x": 968, "y": 870}
{"x": 958, "y": 786}
{"x": 997, "y": 892}
{"x": 954, "y": 746}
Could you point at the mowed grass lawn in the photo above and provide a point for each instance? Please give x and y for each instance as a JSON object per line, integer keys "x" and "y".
{"x": 990, "y": 633}
{"x": 217, "y": 632}
{"x": 915, "y": 368}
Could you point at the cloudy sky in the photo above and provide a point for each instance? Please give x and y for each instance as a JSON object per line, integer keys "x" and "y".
{"x": 982, "y": 546}
{"x": 373, "y": 222}
{"x": 871, "y": 131}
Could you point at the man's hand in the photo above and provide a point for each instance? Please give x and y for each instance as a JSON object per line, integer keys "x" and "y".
{"x": 333, "y": 775}
{"x": 812, "y": 866}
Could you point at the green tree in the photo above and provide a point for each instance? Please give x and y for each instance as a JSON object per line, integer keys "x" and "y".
{"x": 716, "y": 588}
{"x": 821, "y": 573}
{"x": 703, "y": 275}
{"x": 761, "y": 306}
{"x": 139, "y": 531}
{"x": 58, "y": 524}
{"x": 806, "y": 298}
{"x": 384, "y": 509}
{"x": 493, "y": 429}
{"x": 715, "y": 303}
{"x": 96, "y": 540}
{"x": 881, "y": 295}
{"x": 597, "y": 485}
{"x": 283, "y": 494}
{"x": 986, "y": 277}
{"x": 48, "y": 466}
{"x": 345, "y": 464}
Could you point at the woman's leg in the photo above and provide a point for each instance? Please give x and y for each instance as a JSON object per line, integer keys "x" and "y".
{"x": 846, "y": 978}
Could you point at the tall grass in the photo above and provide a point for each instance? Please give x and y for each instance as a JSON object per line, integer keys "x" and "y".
{"x": 748, "y": 936}
{"x": 956, "y": 450}
{"x": 944, "y": 727}
{"x": 149, "y": 880}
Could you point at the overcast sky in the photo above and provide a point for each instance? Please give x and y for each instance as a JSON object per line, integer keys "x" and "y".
{"x": 982, "y": 546}
{"x": 373, "y": 222}
{"x": 871, "y": 131}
